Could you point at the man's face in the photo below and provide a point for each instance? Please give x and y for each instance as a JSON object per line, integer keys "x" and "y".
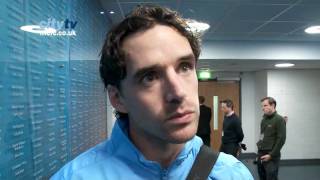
{"x": 224, "y": 108}
{"x": 160, "y": 91}
{"x": 267, "y": 108}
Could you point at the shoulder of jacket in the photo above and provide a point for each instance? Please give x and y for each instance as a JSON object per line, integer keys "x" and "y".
{"x": 278, "y": 116}
{"x": 90, "y": 157}
{"x": 228, "y": 167}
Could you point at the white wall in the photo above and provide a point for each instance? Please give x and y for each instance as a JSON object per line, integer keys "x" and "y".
{"x": 298, "y": 96}
{"x": 253, "y": 88}
{"x": 247, "y": 106}
{"x": 297, "y": 93}
{"x": 261, "y": 85}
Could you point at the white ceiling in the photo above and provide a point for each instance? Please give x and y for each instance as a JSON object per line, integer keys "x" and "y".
{"x": 240, "y": 20}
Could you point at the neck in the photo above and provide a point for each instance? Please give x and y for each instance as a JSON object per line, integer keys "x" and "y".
{"x": 153, "y": 148}
{"x": 272, "y": 112}
{"x": 230, "y": 113}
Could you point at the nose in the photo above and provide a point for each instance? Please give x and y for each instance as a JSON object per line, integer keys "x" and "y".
{"x": 174, "y": 90}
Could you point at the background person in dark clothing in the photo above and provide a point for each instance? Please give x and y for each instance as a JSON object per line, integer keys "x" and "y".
{"x": 272, "y": 138}
{"x": 204, "y": 122}
{"x": 232, "y": 133}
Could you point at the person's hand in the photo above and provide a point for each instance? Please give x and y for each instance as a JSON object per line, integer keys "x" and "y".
{"x": 265, "y": 158}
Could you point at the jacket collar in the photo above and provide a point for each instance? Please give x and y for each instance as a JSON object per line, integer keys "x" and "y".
{"x": 125, "y": 149}
{"x": 271, "y": 115}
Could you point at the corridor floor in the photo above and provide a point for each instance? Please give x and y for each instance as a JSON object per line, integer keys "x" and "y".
{"x": 289, "y": 172}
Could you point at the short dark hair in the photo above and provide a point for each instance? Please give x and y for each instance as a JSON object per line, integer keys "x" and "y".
{"x": 228, "y": 103}
{"x": 271, "y": 101}
{"x": 143, "y": 17}
{"x": 201, "y": 99}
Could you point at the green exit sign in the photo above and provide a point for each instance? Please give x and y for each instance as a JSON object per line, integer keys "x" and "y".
{"x": 204, "y": 75}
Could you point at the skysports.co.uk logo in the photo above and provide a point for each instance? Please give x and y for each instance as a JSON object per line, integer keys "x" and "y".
{"x": 53, "y": 27}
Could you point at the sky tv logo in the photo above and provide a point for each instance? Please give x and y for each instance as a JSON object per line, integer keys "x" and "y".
{"x": 53, "y": 27}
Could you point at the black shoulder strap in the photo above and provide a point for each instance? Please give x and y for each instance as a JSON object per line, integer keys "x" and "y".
{"x": 203, "y": 164}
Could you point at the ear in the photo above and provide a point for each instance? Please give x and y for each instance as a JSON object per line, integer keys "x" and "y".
{"x": 116, "y": 99}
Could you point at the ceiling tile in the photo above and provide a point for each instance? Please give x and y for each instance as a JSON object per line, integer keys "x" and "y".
{"x": 256, "y": 12}
{"x": 112, "y": 6}
{"x": 235, "y": 19}
{"x": 225, "y": 36}
{"x": 280, "y": 27}
{"x": 305, "y": 13}
{"x": 237, "y": 27}
{"x": 144, "y": 1}
{"x": 129, "y": 6}
{"x": 209, "y": 12}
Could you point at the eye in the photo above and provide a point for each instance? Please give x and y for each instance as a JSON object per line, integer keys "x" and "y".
{"x": 186, "y": 66}
{"x": 149, "y": 77}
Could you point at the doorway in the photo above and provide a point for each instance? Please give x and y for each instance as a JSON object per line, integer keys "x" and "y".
{"x": 214, "y": 92}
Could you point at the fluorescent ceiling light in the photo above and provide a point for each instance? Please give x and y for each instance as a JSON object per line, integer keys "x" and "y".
{"x": 197, "y": 27}
{"x": 284, "y": 65}
{"x": 313, "y": 30}
{"x": 101, "y": 12}
{"x": 111, "y": 12}
{"x": 37, "y": 29}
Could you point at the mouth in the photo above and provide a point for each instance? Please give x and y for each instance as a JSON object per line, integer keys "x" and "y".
{"x": 181, "y": 118}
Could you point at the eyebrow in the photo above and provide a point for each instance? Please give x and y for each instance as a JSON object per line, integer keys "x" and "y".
{"x": 189, "y": 57}
{"x": 144, "y": 70}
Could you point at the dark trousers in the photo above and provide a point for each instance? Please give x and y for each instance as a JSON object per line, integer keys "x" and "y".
{"x": 230, "y": 148}
{"x": 205, "y": 138}
{"x": 268, "y": 170}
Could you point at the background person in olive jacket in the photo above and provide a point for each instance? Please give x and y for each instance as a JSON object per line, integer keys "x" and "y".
{"x": 204, "y": 122}
{"x": 272, "y": 138}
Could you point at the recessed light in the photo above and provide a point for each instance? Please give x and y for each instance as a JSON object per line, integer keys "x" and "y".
{"x": 284, "y": 65}
{"x": 111, "y": 12}
{"x": 313, "y": 30}
{"x": 101, "y": 12}
{"x": 197, "y": 27}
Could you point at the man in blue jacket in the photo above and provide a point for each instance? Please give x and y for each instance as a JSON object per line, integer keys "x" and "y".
{"x": 148, "y": 65}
